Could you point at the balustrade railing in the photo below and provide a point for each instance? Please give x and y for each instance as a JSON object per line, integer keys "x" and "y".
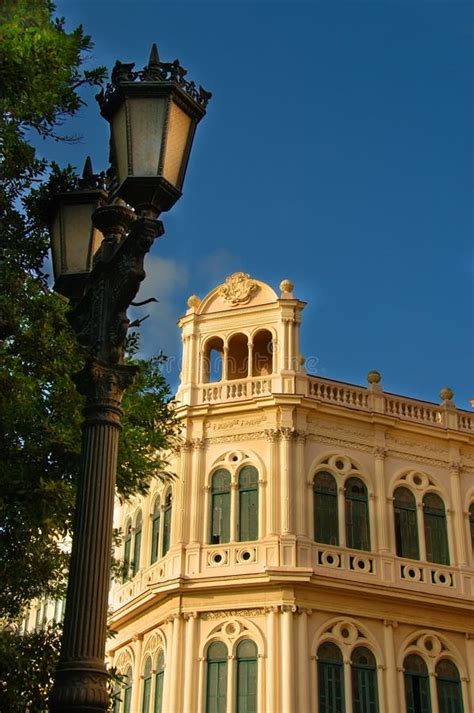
{"x": 377, "y": 401}
{"x": 236, "y": 390}
{"x": 344, "y": 394}
{"x": 347, "y": 395}
{"x": 413, "y": 410}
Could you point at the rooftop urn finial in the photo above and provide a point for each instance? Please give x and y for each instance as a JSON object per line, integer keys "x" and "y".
{"x": 446, "y": 394}
{"x": 374, "y": 377}
{"x": 194, "y": 301}
{"x": 286, "y": 287}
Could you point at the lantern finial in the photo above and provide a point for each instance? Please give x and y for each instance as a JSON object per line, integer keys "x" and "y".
{"x": 154, "y": 56}
{"x": 87, "y": 171}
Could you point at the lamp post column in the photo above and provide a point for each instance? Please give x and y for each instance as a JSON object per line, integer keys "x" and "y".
{"x": 101, "y": 324}
{"x": 81, "y": 677}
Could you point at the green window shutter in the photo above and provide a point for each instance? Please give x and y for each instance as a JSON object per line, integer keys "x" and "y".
{"x": 155, "y": 532}
{"x": 364, "y": 682}
{"x": 246, "y": 691}
{"x": 406, "y": 525}
{"x": 127, "y": 699}
{"x": 159, "y": 692}
{"x": 146, "y": 695}
{"x": 220, "y": 522}
{"x": 448, "y": 687}
{"x": 248, "y": 504}
{"x": 167, "y": 523}
{"x": 127, "y": 549}
{"x": 326, "y": 517}
{"x": 220, "y": 507}
{"x": 146, "y": 687}
{"x": 417, "y": 686}
{"x": 330, "y": 679}
{"x": 216, "y": 699}
{"x": 137, "y": 545}
{"x": 216, "y": 678}
{"x": 357, "y": 515}
{"x": 436, "y": 536}
{"x": 159, "y": 681}
{"x": 127, "y": 694}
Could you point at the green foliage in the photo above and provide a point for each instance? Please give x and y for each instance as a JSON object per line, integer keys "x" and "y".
{"x": 40, "y": 73}
{"x": 27, "y": 662}
{"x": 42, "y": 76}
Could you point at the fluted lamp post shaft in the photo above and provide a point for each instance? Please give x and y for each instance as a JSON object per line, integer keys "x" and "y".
{"x": 101, "y": 279}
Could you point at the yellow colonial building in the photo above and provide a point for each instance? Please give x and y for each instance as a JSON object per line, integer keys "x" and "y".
{"x": 314, "y": 552}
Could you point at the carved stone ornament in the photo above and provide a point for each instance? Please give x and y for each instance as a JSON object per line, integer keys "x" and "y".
{"x": 238, "y": 289}
{"x": 227, "y": 613}
{"x": 81, "y": 689}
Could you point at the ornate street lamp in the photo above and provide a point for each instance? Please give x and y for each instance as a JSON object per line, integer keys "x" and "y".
{"x": 153, "y": 115}
{"x": 74, "y": 237}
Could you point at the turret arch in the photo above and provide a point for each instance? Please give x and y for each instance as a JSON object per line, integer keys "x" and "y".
{"x": 348, "y": 634}
{"x": 232, "y": 631}
{"x": 432, "y": 647}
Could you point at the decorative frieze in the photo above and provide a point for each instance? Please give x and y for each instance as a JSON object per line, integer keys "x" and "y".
{"x": 230, "y": 613}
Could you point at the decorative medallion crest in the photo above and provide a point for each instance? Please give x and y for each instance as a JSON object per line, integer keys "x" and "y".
{"x": 239, "y": 288}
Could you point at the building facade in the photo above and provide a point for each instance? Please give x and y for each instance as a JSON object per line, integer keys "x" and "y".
{"x": 314, "y": 553}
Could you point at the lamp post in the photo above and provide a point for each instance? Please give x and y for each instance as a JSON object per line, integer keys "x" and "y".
{"x": 99, "y": 241}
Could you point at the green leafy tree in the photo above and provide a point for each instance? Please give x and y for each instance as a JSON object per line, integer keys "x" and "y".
{"x": 27, "y": 663}
{"x": 43, "y": 80}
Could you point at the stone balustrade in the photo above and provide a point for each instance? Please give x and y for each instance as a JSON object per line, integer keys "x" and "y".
{"x": 370, "y": 399}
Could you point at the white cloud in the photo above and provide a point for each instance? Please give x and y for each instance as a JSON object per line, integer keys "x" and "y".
{"x": 165, "y": 280}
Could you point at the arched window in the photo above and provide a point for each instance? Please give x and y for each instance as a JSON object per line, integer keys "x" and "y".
{"x": 436, "y": 535}
{"x": 238, "y": 357}
{"x": 406, "y": 528}
{"x": 127, "y": 691}
{"x": 262, "y": 353}
{"x": 448, "y": 687}
{"x": 248, "y": 503}
{"x": 417, "y": 686}
{"x": 246, "y": 677}
{"x": 471, "y": 525}
{"x": 146, "y": 686}
{"x": 330, "y": 679}
{"x": 137, "y": 545}
{"x": 167, "y": 521}
{"x": 213, "y": 357}
{"x": 116, "y": 697}
{"x": 155, "y": 530}
{"x": 216, "y": 678}
{"x": 364, "y": 681}
{"x": 220, "y": 507}
{"x": 326, "y": 528}
{"x": 127, "y": 549}
{"x": 357, "y": 515}
{"x": 159, "y": 680}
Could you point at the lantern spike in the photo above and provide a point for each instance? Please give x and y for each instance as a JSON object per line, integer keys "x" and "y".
{"x": 154, "y": 60}
{"x": 87, "y": 171}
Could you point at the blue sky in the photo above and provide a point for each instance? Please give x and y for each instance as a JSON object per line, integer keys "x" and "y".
{"x": 338, "y": 152}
